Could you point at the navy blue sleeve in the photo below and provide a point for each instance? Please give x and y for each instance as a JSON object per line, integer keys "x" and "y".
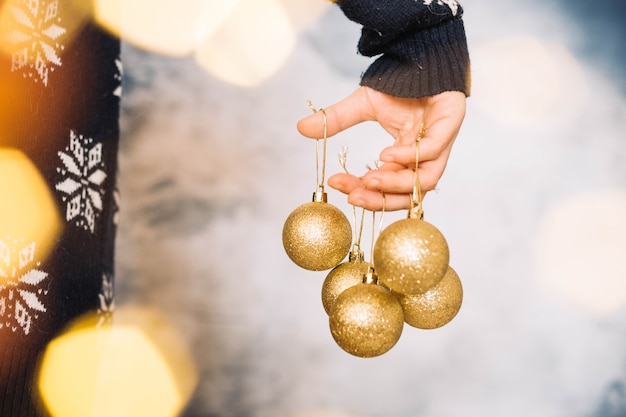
{"x": 422, "y": 45}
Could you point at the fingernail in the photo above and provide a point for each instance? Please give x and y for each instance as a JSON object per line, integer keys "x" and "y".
{"x": 356, "y": 201}
{"x": 371, "y": 183}
{"x": 385, "y": 157}
{"x": 333, "y": 182}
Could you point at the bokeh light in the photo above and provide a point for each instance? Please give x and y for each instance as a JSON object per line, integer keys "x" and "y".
{"x": 252, "y": 44}
{"x": 33, "y": 31}
{"x": 170, "y": 27}
{"x": 323, "y": 413}
{"x": 28, "y": 215}
{"x": 136, "y": 366}
{"x": 526, "y": 82}
{"x": 303, "y": 13}
{"x": 242, "y": 42}
{"x": 579, "y": 253}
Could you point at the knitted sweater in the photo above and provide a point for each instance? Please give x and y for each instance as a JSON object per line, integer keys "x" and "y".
{"x": 421, "y": 43}
{"x": 59, "y": 101}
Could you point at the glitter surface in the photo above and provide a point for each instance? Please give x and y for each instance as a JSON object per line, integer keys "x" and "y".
{"x": 366, "y": 320}
{"x": 411, "y": 256}
{"x": 317, "y": 236}
{"x": 437, "y": 306}
{"x": 342, "y": 277}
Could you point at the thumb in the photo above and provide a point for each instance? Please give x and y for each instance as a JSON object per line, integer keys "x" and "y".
{"x": 340, "y": 116}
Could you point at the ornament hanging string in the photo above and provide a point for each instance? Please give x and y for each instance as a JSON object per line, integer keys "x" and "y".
{"x": 370, "y": 277}
{"x": 416, "y": 211}
{"x": 343, "y": 158}
{"x": 384, "y": 207}
{"x": 320, "y": 181}
{"x": 380, "y": 226}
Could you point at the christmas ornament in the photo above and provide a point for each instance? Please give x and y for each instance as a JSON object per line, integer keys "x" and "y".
{"x": 417, "y": 286}
{"x": 366, "y": 320}
{"x": 349, "y": 273}
{"x": 344, "y": 276}
{"x": 411, "y": 255}
{"x": 437, "y": 306}
{"x": 317, "y": 235}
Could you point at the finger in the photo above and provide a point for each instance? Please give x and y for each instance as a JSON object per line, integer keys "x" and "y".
{"x": 377, "y": 201}
{"x": 398, "y": 181}
{"x": 437, "y": 142}
{"x": 430, "y": 172}
{"x": 340, "y": 116}
{"x": 368, "y": 199}
{"x": 345, "y": 183}
{"x": 403, "y": 180}
{"x": 348, "y": 182}
{"x": 405, "y": 154}
{"x": 391, "y": 166}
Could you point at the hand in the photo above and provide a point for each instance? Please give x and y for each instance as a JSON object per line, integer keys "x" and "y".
{"x": 442, "y": 116}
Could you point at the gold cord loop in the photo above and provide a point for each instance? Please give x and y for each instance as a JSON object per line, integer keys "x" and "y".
{"x": 320, "y": 182}
{"x": 416, "y": 211}
{"x": 320, "y": 195}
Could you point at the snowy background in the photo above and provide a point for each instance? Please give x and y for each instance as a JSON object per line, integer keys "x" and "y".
{"x": 532, "y": 205}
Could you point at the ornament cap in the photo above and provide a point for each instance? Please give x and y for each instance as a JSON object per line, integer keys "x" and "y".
{"x": 416, "y": 212}
{"x": 370, "y": 277}
{"x": 356, "y": 254}
{"x": 320, "y": 196}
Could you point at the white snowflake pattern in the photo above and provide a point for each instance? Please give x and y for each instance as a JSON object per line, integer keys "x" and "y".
{"x": 118, "y": 77}
{"x": 20, "y": 289}
{"x": 116, "y": 206}
{"x": 452, "y": 4}
{"x": 83, "y": 175}
{"x": 33, "y": 33}
{"x": 107, "y": 301}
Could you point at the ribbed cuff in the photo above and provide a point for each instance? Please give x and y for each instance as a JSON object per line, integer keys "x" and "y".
{"x": 423, "y": 63}
{"x": 18, "y": 390}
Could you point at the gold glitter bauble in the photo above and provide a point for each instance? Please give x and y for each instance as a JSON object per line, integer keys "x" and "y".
{"x": 317, "y": 236}
{"x": 366, "y": 320}
{"x": 410, "y": 256}
{"x": 437, "y": 306}
{"x": 342, "y": 277}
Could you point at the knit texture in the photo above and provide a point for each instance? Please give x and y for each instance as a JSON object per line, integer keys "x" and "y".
{"x": 422, "y": 46}
{"x": 60, "y": 107}
{"x": 423, "y": 63}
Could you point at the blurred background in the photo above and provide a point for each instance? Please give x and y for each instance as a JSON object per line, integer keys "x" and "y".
{"x": 532, "y": 204}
